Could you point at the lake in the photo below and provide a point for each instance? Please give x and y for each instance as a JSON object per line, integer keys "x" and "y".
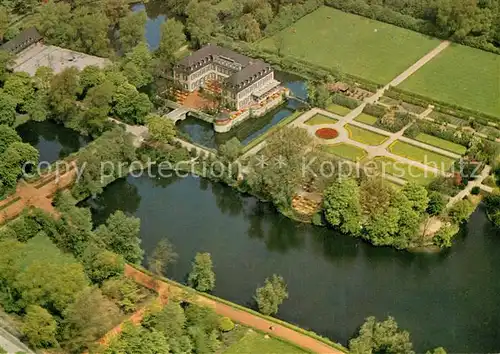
{"x": 447, "y": 299}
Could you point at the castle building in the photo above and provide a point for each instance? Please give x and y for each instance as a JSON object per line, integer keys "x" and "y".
{"x": 244, "y": 81}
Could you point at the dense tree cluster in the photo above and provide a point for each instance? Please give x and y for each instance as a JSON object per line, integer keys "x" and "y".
{"x": 271, "y": 295}
{"x": 173, "y": 329}
{"x": 376, "y": 211}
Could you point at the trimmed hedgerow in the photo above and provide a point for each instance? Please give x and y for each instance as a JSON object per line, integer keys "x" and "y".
{"x": 375, "y": 110}
{"x": 345, "y": 101}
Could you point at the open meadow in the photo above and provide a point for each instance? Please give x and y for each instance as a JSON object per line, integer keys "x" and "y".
{"x": 356, "y": 45}
{"x": 255, "y": 342}
{"x": 462, "y": 76}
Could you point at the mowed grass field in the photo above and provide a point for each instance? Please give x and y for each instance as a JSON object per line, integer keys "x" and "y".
{"x": 404, "y": 171}
{"x": 365, "y": 136}
{"x": 357, "y": 45}
{"x": 419, "y": 154}
{"x": 345, "y": 151}
{"x": 254, "y": 342}
{"x": 319, "y": 119}
{"x": 460, "y": 75}
{"x": 441, "y": 143}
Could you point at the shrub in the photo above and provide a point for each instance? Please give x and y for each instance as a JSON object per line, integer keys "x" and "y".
{"x": 475, "y": 190}
{"x": 317, "y": 219}
{"x": 124, "y": 292}
{"x": 461, "y": 211}
{"x": 375, "y": 110}
{"x": 443, "y": 237}
{"x": 226, "y": 325}
{"x": 345, "y": 101}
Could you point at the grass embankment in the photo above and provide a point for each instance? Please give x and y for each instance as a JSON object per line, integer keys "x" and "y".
{"x": 366, "y": 119}
{"x": 190, "y": 292}
{"x": 358, "y": 46}
{"x": 319, "y": 119}
{"x": 419, "y": 154}
{"x": 365, "y": 136}
{"x": 345, "y": 151}
{"x": 338, "y": 109}
{"x": 441, "y": 143}
{"x": 462, "y": 76}
{"x": 404, "y": 171}
{"x": 271, "y": 130}
{"x": 255, "y": 342}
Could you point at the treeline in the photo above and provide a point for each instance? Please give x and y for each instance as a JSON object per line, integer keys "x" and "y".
{"x": 68, "y": 296}
{"x": 470, "y": 22}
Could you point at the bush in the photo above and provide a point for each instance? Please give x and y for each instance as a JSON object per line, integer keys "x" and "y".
{"x": 475, "y": 190}
{"x": 317, "y": 219}
{"x": 443, "y": 237}
{"x": 226, "y": 325}
{"x": 375, "y": 110}
{"x": 461, "y": 211}
{"x": 124, "y": 292}
{"x": 345, "y": 101}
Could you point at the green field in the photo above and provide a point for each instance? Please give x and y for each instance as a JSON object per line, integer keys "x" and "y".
{"x": 460, "y": 75}
{"x": 356, "y": 45}
{"x": 255, "y": 342}
{"x": 404, "y": 171}
{"x": 366, "y": 118}
{"x": 345, "y": 151}
{"x": 365, "y": 136}
{"x": 319, "y": 119}
{"x": 338, "y": 109}
{"x": 441, "y": 143}
{"x": 424, "y": 156}
{"x": 41, "y": 248}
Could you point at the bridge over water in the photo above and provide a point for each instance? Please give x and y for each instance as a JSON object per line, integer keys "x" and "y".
{"x": 181, "y": 112}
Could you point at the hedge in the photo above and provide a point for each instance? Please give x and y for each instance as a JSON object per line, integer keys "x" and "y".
{"x": 345, "y": 101}
{"x": 250, "y": 311}
{"x": 375, "y": 110}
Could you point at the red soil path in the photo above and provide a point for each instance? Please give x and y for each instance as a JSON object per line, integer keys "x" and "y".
{"x": 38, "y": 194}
{"x": 240, "y": 316}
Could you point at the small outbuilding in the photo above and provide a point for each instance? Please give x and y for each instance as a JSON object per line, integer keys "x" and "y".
{"x": 23, "y": 40}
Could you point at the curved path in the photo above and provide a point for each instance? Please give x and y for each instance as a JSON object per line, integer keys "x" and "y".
{"x": 248, "y": 319}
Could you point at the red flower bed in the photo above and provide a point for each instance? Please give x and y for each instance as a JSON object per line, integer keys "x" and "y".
{"x": 327, "y": 133}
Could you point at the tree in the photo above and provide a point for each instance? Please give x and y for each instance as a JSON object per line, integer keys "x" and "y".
{"x": 132, "y": 30}
{"x": 170, "y": 320}
{"x": 381, "y": 337}
{"x": 92, "y": 31}
{"x": 115, "y": 10}
{"x": 4, "y": 22}
{"x": 43, "y": 78}
{"x": 124, "y": 292}
{"x": 131, "y": 106}
{"x": 342, "y": 207}
{"x": 250, "y": 28}
{"x": 171, "y": 40}
{"x": 20, "y": 86}
{"x": 64, "y": 89}
{"x": 162, "y": 255}
{"x": 439, "y": 350}
{"x": 39, "y": 327}
{"x": 231, "y": 149}
{"x": 160, "y": 129}
{"x": 50, "y": 285}
{"x": 87, "y": 319}
{"x": 7, "y": 108}
{"x": 417, "y": 195}
{"x": 91, "y": 76}
{"x": 201, "y": 21}
{"x": 121, "y": 235}
{"x": 55, "y": 23}
{"x": 6, "y": 62}
{"x": 202, "y": 277}
{"x": 137, "y": 340}
{"x": 138, "y": 66}
{"x": 318, "y": 94}
{"x": 101, "y": 265}
{"x": 7, "y": 136}
{"x": 271, "y": 295}
{"x": 436, "y": 204}
{"x": 461, "y": 211}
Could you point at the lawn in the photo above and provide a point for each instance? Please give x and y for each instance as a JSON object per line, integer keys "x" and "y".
{"x": 365, "y": 136}
{"x": 319, "y": 119}
{"x": 345, "y": 151}
{"x": 460, "y": 75}
{"x": 441, "y": 143}
{"x": 40, "y": 248}
{"x": 424, "y": 156}
{"x": 356, "y": 45}
{"x": 338, "y": 109}
{"x": 366, "y": 118}
{"x": 255, "y": 342}
{"x": 403, "y": 171}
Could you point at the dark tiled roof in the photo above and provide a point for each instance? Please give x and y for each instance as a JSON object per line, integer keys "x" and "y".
{"x": 249, "y": 74}
{"x": 208, "y": 52}
{"x": 22, "y": 40}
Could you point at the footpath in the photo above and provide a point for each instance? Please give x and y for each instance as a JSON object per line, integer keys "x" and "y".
{"x": 166, "y": 290}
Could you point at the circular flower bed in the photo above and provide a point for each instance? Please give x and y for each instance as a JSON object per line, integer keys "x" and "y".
{"x": 327, "y": 133}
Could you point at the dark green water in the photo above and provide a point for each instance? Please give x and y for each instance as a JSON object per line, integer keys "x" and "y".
{"x": 448, "y": 299}
{"x": 52, "y": 140}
